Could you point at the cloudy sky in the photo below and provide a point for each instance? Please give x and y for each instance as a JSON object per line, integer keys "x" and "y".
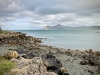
{"x": 36, "y": 14}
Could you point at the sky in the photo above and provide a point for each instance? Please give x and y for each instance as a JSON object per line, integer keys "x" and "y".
{"x": 36, "y": 14}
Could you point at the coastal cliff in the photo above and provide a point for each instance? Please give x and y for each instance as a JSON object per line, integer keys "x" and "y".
{"x": 32, "y": 53}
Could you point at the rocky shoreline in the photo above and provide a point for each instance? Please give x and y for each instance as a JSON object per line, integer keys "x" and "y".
{"x": 52, "y": 61}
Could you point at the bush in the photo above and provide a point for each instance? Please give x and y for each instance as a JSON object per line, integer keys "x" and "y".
{"x": 5, "y": 65}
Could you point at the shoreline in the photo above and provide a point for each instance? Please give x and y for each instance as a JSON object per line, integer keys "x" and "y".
{"x": 75, "y": 61}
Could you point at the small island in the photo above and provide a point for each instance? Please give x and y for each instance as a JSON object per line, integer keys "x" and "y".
{"x": 32, "y": 57}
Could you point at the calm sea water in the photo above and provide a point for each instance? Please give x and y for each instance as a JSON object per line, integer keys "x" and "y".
{"x": 69, "y": 39}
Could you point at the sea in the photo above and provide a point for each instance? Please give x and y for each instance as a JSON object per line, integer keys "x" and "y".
{"x": 68, "y": 39}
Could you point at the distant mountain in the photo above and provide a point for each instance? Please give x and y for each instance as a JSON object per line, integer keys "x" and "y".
{"x": 61, "y": 27}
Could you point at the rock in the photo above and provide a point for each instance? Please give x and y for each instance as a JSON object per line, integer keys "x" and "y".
{"x": 99, "y": 68}
{"x": 64, "y": 70}
{"x": 91, "y": 72}
{"x": 90, "y": 57}
{"x": 21, "y": 51}
{"x": 83, "y": 62}
{"x": 53, "y": 64}
{"x": 33, "y": 66}
{"x": 19, "y": 39}
{"x": 69, "y": 52}
{"x": 97, "y": 53}
{"x": 52, "y": 60}
{"x": 93, "y": 59}
{"x": 10, "y": 54}
{"x": 85, "y": 55}
{"x": 30, "y": 55}
{"x": 90, "y": 51}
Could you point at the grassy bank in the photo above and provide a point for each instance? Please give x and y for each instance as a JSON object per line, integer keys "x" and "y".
{"x": 5, "y": 65}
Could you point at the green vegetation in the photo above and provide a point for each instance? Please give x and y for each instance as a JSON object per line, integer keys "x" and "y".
{"x": 5, "y": 65}
{"x": 4, "y": 32}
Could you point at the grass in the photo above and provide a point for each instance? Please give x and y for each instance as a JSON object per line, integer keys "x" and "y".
{"x": 6, "y": 65}
{"x": 4, "y": 32}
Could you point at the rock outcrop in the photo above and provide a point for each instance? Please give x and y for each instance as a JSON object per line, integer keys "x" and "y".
{"x": 54, "y": 65}
{"x": 18, "y": 38}
{"x": 33, "y": 66}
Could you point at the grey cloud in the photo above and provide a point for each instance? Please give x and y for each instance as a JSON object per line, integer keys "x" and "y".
{"x": 50, "y": 10}
{"x": 65, "y": 6}
{"x": 9, "y": 6}
{"x": 87, "y": 12}
{"x": 66, "y": 19}
{"x": 11, "y": 10}
{"x": 47, "y": 7}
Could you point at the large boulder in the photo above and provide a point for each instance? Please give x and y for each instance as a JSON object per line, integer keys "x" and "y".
{"x": 53, "y": 64}
{"x": 33, "y": 66}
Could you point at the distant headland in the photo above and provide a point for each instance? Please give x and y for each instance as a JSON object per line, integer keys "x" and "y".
{"x": 62, "y": 27}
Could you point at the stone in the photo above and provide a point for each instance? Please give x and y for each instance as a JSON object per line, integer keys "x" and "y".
{"x": 83, "y": 62}
{"x": 64, "y": 70}
{"x": 52, "y": 60}
{"x": 99, "y": 68}
{"x": 33, "y": 66}
{"x": 69, "y": 52}
{"x": 91, "y": 72}
{"x": 53, "y": 64}
{"x": 21, "y": 51}
{"x": 30, "y": 55}
{"x": 93, "y": 59}
{"x": 10, "y": 54}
